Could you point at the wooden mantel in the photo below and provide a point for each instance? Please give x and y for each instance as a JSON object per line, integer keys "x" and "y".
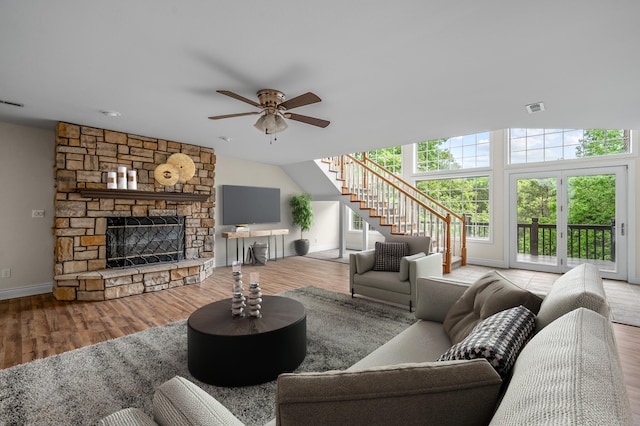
{"x": 129, "y": 194}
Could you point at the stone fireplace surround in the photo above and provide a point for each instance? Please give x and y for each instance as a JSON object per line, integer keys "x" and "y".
{"x": 83, "y": 156}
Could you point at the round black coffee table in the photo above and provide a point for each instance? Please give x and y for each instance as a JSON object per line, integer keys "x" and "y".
{"x": 238, "y": 351}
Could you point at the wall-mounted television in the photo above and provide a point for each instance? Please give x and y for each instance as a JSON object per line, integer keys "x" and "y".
{"x": 250, "y": 204}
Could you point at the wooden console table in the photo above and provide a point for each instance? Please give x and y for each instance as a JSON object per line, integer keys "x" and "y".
{"x": 257, "y": 233}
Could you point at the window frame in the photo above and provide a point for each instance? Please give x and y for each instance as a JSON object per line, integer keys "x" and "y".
{"x": 509, "y": 148}
{"x": 416, "y": 167}
{"x": 470, "y": 175}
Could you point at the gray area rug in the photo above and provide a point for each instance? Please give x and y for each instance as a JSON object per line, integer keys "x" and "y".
{"x": 82, "y": 386}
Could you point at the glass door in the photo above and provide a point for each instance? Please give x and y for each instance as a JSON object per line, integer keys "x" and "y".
{"x": 564, "y": 218}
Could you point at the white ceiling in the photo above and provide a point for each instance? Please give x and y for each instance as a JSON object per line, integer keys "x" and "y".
{"x": 388, "y": 72}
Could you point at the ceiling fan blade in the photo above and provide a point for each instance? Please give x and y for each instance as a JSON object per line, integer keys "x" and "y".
{"x": 305, "y": 99}
{"x": 219, "y": 117}
{"x": 308, "y": 120}
{"x": 238, "y": 97}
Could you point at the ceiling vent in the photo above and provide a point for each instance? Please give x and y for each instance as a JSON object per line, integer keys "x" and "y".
{"x": 15, "y": 104}
{"x": 535, "y": 107}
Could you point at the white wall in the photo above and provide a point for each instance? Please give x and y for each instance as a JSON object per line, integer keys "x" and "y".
{"x": 26, "y": 182}
{"x": 324, "y": 233}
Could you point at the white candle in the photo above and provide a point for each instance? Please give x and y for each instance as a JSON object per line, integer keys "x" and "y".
{"x": 132, "y": 181}
{"x": 122, "y": 177}
{"x": 111, "y": 180}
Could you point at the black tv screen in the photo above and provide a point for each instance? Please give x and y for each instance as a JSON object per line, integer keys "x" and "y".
{"x": 250, "y": 204}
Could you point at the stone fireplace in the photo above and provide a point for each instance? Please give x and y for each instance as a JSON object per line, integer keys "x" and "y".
{"x": 94, "y": 225}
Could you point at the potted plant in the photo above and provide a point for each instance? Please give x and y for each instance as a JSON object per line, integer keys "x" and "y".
{"x": 302, "y": 215}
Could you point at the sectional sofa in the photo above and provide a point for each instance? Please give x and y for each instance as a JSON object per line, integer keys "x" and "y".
{"x": 488, "y": 353}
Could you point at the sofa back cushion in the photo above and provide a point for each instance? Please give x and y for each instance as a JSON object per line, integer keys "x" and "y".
{"x": 581, "y": 287}
{"x": 442, "y": 393}
{"x": 417, "y": 244}
{"x": 489, "y": 295}
{"x": 568, "y": 374}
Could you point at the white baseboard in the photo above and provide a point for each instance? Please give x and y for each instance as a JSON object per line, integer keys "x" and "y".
{"x": 30, "y": 290}
{"x": 488, "y": 263}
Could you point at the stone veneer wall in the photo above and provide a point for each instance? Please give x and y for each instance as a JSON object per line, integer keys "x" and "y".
{"x": 84, "y": 155}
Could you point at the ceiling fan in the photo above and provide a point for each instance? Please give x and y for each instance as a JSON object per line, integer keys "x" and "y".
{"x": 274, "y": 109}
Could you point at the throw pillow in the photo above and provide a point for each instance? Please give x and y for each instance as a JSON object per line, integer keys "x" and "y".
{"x": 388, "y": 256}
{"x": 499, "y": 339}
{"x": 404, "y": 265}
{"x": 490, "y": 294}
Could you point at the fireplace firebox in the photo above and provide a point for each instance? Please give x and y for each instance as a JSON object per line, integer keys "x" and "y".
{"x": 144, "y": 240}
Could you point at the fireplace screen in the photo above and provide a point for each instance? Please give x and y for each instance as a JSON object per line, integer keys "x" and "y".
{"x": 144, "y": 240}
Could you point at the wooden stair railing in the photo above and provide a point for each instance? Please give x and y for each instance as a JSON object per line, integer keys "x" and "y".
{"x": 401, "y": 206}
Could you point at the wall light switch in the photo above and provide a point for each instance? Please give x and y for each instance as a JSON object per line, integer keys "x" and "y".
{"x": 6, "y": 273}
{"x": 37, "y": 213}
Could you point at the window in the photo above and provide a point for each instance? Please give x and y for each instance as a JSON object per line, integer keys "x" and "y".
{"x": 539, "y": 145}
{"x": 389, "y": 158}
{"x": 460, "y": 152}
{"x": 452, "y": 159}
{"x": 467, "y": 196}
{"x": 356, "y": 222}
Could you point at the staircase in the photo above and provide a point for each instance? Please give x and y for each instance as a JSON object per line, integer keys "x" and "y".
{"x": 393, "y": 206}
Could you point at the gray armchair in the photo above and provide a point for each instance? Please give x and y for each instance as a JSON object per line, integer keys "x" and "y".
{"x": 367, "y": 278}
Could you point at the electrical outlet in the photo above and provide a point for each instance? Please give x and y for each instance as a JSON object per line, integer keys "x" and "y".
{"x": 37, "y": 213}
{"x": 6, "y": 273}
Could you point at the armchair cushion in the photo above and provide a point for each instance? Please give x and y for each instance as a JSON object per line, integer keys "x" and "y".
{"x": 404, "y": 265}
{"x": 416, "y": 243}
{"x": 388, "y": 256}
{"x": 365, "y": 261}
{"x": 490, "y": 294}
{"x": 389, "y": 281}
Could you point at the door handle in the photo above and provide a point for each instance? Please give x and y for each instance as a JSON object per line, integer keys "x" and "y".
{"x": 622, "y": 229}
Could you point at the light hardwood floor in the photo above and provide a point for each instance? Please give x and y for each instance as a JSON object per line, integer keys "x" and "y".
{"x": 39, "y": 326}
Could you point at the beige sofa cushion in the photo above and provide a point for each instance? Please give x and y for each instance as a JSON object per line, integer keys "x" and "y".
{"x": 178, "y": 402}
{"x": 568, "y": 374}
{"x": 490, "y": 294}
{"x": 581, "y": 287}
{"x": 127, "y": 417}
{"x": 442, "y": 393}
{"x": 421, "y": 342}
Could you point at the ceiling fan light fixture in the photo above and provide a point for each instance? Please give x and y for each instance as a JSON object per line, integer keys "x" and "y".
{"x": 271, "y": 124}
